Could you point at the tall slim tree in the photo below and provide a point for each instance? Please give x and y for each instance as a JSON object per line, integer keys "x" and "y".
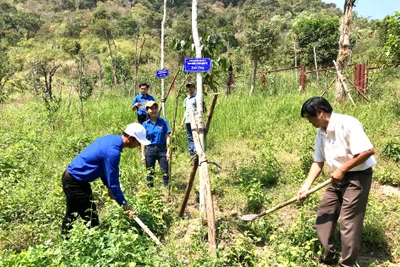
{"x": 261, "y": 39}
{"x": 162, "y": 60}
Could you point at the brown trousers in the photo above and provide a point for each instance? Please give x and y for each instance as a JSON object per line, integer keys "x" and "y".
{"x": 348, "y": 199}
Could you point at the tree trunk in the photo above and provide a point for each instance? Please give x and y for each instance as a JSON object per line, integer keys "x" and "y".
{"x": 295, "y": 58}
{"x": 199, "y": 98}
{"x": 137, "y": 60}
{"x": 162, "y": 60}
{"x": 112, "y": 62}
{"x": 253, "y": 77}
{"x": 344, "y": 54}
{"x": 315, "y": 62}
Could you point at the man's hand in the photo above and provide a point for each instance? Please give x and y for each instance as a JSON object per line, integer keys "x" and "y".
{"x": 136, "y": 106}
{"x": 168, "y": 155}
{"x": 181, "y": 125}
{"x": 301, "y": 194}
{"x": 143, "y": 159}
{"x": 337, "y": 174}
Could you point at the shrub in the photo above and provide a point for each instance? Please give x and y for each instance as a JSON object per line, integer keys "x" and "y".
{"x": 392, "y": 151}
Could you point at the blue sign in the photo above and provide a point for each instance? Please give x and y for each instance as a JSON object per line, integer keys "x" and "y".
{"x": 162, "y": 73}
{"x": 197, "y": 64}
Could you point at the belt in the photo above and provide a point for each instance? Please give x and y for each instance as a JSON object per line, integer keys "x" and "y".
{"x": 366, "y": 171}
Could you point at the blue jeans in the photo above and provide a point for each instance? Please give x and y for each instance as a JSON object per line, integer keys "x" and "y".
{"x": 152, "y": 154}
{"x": 192, "y": 148}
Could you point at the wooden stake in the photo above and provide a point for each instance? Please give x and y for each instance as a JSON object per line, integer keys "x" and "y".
{"x": 361, "y": 93}
{"x": 326, "y": 90}
{"x": 211, "y": 112}
{"x": 204, "y": 175}
{"x": 189, "y": 187}
{"x": 196, "y": 162}
{"x": 343, "y": 83}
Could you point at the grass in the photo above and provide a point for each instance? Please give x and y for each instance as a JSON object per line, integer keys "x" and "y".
{"x": 246, "y": 134}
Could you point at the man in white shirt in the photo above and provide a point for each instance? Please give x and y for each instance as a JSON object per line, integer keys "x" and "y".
{"x": 188, "y": 103}
{"x": 343, "y": 144}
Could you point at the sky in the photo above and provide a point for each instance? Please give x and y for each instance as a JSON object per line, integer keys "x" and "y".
{"x": 372, "y": 9}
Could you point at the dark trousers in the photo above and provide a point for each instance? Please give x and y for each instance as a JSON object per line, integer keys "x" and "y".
{"x": 347, "y": 199}
{"x": 156, "y": 153}
{"x": 79, "y": 201}
{"x": 141, "y": 118}
{"x": 192, "y": 148}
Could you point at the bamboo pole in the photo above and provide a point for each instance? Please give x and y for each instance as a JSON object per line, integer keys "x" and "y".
{"x": 188, "y": 187}
{"x": 204, "y": 175}
{"x": 195, "y": 166}
{"x": 170, "y": 87}
{"x": 359, "y": 91}
{"x": 211, "y": 112}
{"x": 326, "y": 90}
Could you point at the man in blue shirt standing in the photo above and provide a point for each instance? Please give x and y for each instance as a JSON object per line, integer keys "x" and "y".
{"x": 99, "y": 159}
{"x": 158, "y": 132}
{"x": 189, "y": 102}
{"x": 139, "y": 102}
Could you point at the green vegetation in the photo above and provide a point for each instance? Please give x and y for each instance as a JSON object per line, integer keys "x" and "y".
{"x": 259, "y": 147}
{"x": 67, "y": 70}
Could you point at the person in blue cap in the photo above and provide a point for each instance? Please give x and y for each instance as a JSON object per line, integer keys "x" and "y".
{"x": 99, "y": 160}
{"x": 189, "y": 102}
{"x": 158, "y": 132}
{"x": 139, "y": 102}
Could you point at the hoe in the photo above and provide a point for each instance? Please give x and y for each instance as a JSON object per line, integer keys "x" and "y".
{"x": 252, "y": 217}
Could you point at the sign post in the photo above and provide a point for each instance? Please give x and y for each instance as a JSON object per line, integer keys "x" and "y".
{"x": 162, "y": 73}
{"x": 197, "y": 64}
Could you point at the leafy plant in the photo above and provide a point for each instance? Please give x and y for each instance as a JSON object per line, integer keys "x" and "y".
{"x": 392, "y": 151}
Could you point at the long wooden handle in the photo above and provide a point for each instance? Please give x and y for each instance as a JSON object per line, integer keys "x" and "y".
{"x": 147, "y": 230}
{"x": 287, "y": 202}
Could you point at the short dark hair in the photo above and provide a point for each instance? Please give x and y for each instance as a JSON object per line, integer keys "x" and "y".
{"x": 127, "y": 135}
{"x": 144, "y": 84}
{"x": 311, "y": 105}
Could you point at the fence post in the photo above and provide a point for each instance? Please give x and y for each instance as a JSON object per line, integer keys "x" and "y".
{"x": 362, "y": 78}
{"x": 303, "y": 78}
{"x": 356, "y": 75}
{"x": 366, "y": 79}
{"x": 359, "y": 77}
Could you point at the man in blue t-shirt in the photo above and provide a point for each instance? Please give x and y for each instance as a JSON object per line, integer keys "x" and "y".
{"x": 99, "y": 160}
{"x": 139, "y": 102}
{"x": 158, "y": 132}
